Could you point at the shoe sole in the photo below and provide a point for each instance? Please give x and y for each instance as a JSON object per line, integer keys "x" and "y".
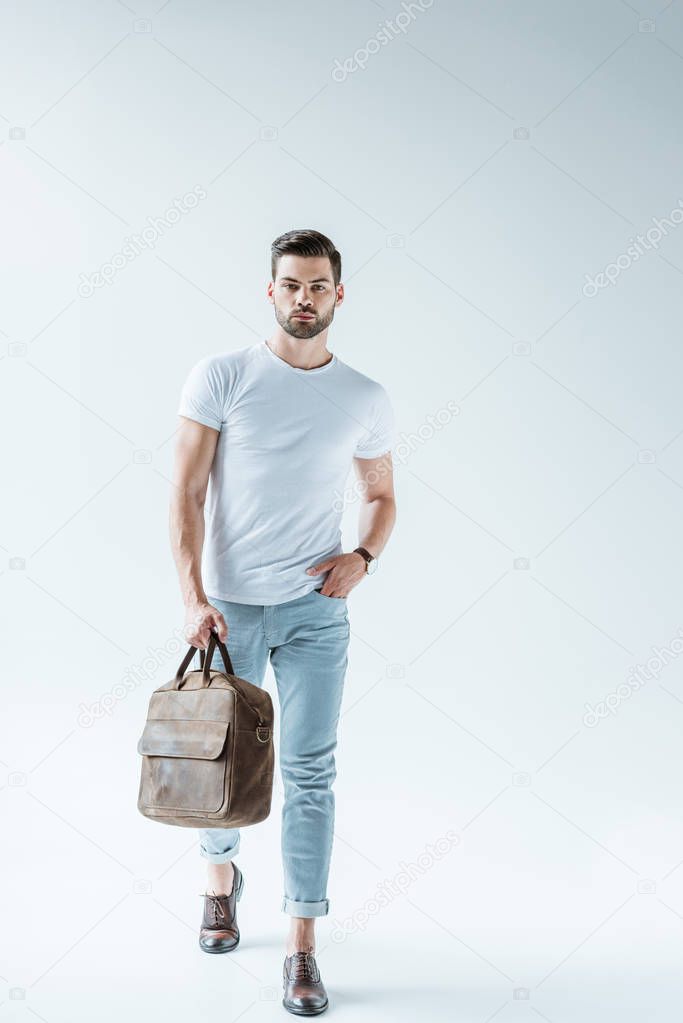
{"x": 222, "y": 951}
{"x": 306, "y": 1012}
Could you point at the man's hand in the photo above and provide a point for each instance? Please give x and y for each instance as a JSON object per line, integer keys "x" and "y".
{"x": 346, "y": 571}
{"x": 200, "y": 619}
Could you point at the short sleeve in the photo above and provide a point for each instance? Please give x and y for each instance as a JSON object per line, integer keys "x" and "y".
{"x": 202, "y": 397}
{"x": 380, "y": 434}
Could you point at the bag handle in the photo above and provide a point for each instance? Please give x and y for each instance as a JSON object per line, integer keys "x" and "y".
{"x": 206, "y": 659}
{"x": 202, "y": 657}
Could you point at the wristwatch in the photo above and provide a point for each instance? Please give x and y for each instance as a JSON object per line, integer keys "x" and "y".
{"x": 371, "y": 562}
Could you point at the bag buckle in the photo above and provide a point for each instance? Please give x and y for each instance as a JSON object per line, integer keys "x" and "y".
{"x": 262, "y": 733}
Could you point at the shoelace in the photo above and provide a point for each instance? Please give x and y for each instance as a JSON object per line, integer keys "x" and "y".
{"x": 216, "y": 904}
{"x": 303, "y": 966}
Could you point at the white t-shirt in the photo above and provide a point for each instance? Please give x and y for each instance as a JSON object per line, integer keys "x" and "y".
{"x": 286, "y": 444}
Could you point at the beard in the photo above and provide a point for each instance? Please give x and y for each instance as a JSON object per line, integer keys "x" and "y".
{"x": 304, "y": 329}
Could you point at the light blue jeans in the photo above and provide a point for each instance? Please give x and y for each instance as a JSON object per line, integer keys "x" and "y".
{"x": 307, "y": 639}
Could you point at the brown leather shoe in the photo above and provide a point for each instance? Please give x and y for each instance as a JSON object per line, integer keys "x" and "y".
{"x": 305, "y": 993}
{"x": 219, "y": 931}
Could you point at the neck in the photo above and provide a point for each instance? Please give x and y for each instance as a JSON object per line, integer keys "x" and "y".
{"x": 302, "y": 353}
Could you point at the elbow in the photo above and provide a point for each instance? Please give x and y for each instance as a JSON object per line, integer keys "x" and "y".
{"x": 188, "y": 497}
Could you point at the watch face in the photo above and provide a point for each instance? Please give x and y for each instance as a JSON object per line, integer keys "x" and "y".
{"x": 372, "y": 566}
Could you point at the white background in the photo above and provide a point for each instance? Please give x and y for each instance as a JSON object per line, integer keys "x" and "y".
{"x": 472, "y": 173}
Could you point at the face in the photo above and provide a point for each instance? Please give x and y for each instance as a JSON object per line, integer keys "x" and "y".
{"x": 304, "y": 295}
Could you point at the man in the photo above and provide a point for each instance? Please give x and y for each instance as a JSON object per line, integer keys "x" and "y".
{"x": 275, "y": 427}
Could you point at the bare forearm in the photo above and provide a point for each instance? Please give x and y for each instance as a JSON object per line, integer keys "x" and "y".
{"x": 375, "y": 523}
{"x": 186, "y": 525}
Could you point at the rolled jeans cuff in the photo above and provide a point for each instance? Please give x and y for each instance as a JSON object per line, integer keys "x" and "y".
{"x": 222, "y": 857}
{"x": 308, "y": 909}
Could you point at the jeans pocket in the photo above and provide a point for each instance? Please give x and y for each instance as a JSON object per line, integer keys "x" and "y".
{"x": 324, "y": 596}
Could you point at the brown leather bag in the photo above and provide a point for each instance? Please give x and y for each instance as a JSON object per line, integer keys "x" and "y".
{"x": 207, "y": 748}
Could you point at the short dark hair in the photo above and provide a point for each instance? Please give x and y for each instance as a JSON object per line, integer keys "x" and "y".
{"x": 305, "y": 243}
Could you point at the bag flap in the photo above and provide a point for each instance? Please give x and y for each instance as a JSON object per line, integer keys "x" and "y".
{"x": 200, "y": 740}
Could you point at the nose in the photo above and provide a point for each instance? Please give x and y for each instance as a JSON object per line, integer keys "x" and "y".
{"x": 304, "y": 299}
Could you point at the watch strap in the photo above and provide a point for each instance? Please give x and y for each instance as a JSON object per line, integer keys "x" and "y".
{"x": 364, "y": 554}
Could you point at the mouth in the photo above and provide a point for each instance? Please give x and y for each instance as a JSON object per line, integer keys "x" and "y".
{"x": 303, "y": 316}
